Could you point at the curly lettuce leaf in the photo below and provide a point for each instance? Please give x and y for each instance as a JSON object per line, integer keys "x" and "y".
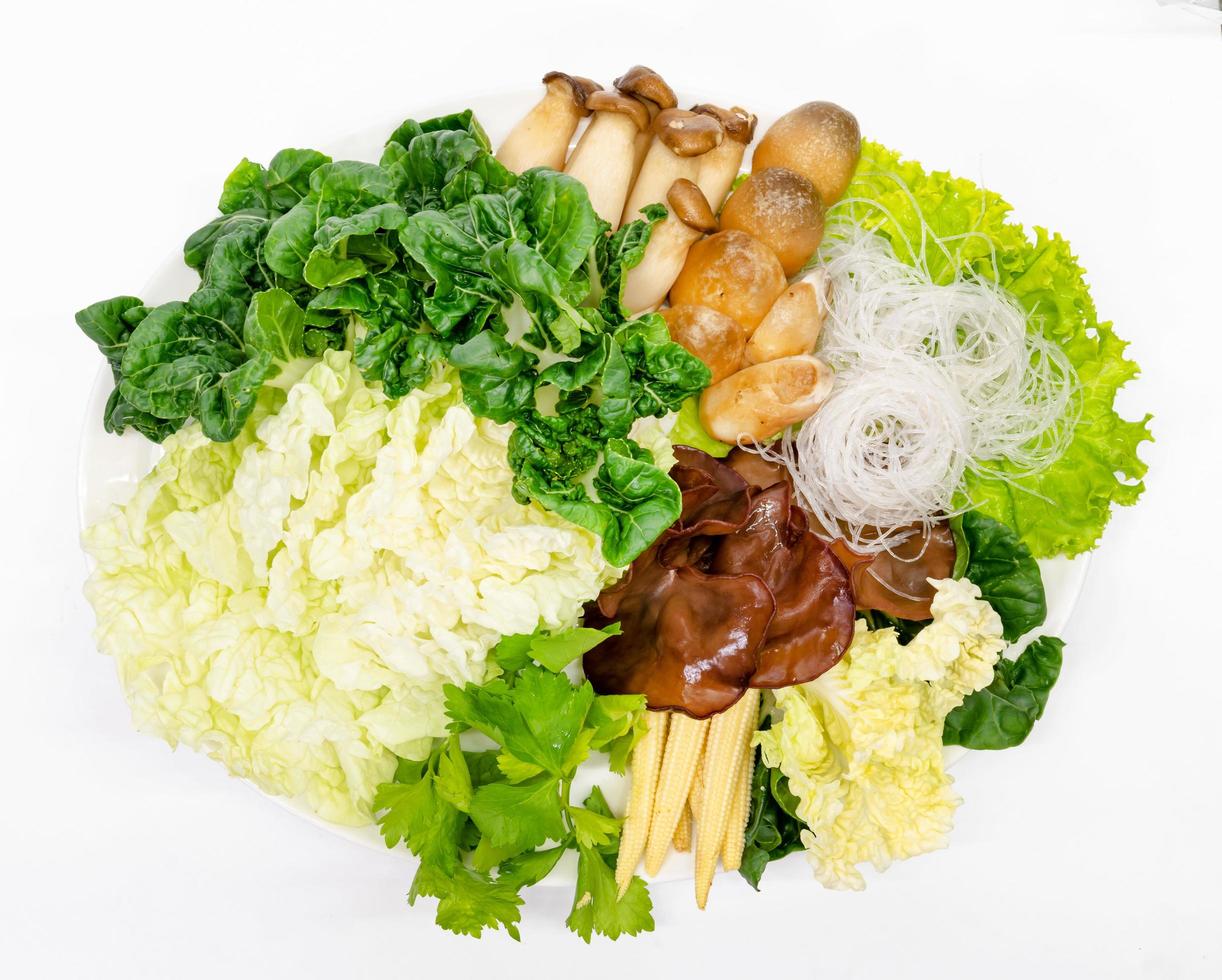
{"x": 1064, "y": 509}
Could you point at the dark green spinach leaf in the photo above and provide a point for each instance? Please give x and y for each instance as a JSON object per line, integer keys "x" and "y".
{"x": 773, "y": 827}
{"x": 1002, "y": 566}
{"x": 1002, "y": 715}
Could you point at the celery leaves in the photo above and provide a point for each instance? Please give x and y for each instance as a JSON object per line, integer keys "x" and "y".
{"x": 483, "y": 829}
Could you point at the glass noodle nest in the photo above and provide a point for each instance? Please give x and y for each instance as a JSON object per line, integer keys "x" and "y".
{"x": 932, "y": 380}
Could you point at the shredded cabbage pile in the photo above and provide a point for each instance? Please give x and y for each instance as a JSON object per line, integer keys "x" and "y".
{"x": 861, "y": 745}
{"x": 292, "y": 602}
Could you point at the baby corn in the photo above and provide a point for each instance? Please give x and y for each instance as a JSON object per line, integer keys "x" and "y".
{"x": 646, "y": 763}
{"x": 740, "y": 810}
{"x": 729, "y": 734}
{"x": 691, "y": 783}
{"x": 684, "y": 744}
{"x": 683, "y": 833}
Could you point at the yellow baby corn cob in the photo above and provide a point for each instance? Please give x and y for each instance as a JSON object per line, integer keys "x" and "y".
{"x": 697, "y": 792}
{"x": 646, "y": 763}
{"x": 687, "y": 819}
{"x": 684, "y": 744}
{"x": 729, "y": 733}
{"x": 683, "y": 832}
{"x": 740, "y": 810}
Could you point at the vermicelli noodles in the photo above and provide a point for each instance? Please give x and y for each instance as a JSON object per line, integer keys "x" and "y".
{"x": 932, "y": 381}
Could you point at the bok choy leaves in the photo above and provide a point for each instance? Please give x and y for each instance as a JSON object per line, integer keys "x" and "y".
{"x": 435, "y": 253}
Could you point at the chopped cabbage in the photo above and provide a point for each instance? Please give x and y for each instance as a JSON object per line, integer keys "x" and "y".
{"x": 292, "y": 603}
{"x": 861, "y": 745}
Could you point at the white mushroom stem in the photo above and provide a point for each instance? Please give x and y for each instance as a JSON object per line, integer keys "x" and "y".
{"x": 640, "y": 150}
{"x": 646, "y": 285}
{"x": 661, "y": 168}
{"x": 680, "y": 140}
{"x": 720, "y": 165}
{"x": 541, "y": 138}
{"x": 690, "y": 218}
{"x": 647, "y": 86}
{"x": 718, "y": 168}
{"x": 605, "y": 157}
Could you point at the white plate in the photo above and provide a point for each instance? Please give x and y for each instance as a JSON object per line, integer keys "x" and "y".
{"x": 110, "y": 466}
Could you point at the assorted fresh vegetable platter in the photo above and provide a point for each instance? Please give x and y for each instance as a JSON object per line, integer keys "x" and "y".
{"x": 643, "y": 443}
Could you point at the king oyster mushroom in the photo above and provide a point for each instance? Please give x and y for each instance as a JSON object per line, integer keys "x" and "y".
{"x": 719, "y": 166}
{"x": 690, "y": 219}
{"x": 650, "y": 89}
{"x": 605, "y": 156}
{"x": 793, "y": 324}
{"x": 680, "y": 139}
{"x": 541, "y": 138}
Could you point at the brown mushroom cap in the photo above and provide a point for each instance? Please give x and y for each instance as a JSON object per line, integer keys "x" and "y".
{"x": 691, "y": 206}
{"x": 713, "y": 337}
{"x": 688, "y": 134}
{"x": 577, "y": 87}
{"x": 623, "y": 104}
{"x": 738, "y": 123}
{"x": 782, "y": 209}
{"x": 733, "y": 273}
{"x": 645, "y": 83}
{"x": 820, "y": 140}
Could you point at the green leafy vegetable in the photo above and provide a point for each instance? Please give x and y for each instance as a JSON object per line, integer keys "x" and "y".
{"x": 553, "y": 651}
{"x": 468, "y": 902}
{"x": 508, "y": 284}
{"x": 690, "y": 431}
{"x": 435, "y": 253}
{"x": 773, "y": 827}
{"x": 337, "y": 190}
{"x": 277, "y": 187}
{"x": 596, "y": 907}
{"x": 996, "y": 560}
{"x": 1002, "y": 715}
{"x": 485, "y": 825}
{"x": 1064, "y": 509}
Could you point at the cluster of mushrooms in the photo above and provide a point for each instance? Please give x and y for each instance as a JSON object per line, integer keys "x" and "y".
{"x": 726, "y": 261}
{"x": 742, "y": 594}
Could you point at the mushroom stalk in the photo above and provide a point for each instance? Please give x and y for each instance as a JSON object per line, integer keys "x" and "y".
{"x": 605, "y": 156}
{"x": 541, "y": 138}
{"x": 660, "y": 169}
{"x": 720, "y": 165}
{"x": 649, "y": 88}
{"x": 680, "y": 140}
{"x": 690, "y": 219}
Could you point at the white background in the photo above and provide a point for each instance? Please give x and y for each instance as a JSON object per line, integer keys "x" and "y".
{"x": 1091, "y": 851}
